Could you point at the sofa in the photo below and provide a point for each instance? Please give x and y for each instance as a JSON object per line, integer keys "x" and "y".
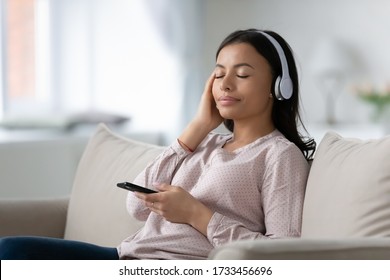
{"x": 346, "y": 212}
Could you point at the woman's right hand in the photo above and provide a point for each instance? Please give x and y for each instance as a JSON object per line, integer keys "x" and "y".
{"x": 206, "y": 119}
{"x": 208, "y": 114}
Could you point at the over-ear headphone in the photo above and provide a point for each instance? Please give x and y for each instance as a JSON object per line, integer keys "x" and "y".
{"x": 283, "y": 87}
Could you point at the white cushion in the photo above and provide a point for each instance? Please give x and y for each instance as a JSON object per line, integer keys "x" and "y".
{"x": 348, "y": 189}
{"x": 97, "y": 209}
{"x": 305, "y": 249}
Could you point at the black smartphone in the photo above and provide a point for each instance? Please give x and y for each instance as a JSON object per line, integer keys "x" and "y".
{"x": 134, "y": 188}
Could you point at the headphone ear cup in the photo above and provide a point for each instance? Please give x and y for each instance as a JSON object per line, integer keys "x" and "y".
{"x": 283, "y": 88}
{"x": 286, "y": 88}
{"x": 276, "y": 87}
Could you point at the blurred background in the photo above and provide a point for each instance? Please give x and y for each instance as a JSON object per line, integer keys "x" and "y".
{"x": 140, "y": 66}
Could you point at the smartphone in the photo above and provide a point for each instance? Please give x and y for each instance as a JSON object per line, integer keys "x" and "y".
{"x": 134, "y": 188}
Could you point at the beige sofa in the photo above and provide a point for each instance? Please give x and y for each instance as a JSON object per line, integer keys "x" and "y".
{"x": 346, "y": 212}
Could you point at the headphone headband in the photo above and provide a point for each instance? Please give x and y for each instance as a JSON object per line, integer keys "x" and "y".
{"x": 283, "y": 84}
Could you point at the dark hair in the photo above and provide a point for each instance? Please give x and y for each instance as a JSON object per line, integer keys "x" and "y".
{"x": 285, "y": 114}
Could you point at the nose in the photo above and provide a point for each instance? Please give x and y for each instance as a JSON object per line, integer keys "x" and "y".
{"x": 226, "y": 84}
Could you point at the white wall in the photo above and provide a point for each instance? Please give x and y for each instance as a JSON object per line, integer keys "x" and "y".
{"x": 361, "y": 24}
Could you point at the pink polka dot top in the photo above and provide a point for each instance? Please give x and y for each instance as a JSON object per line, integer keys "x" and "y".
{"x": 256, "y": 191}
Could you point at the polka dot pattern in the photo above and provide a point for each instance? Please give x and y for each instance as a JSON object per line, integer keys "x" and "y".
{"x": 256, "y": 191}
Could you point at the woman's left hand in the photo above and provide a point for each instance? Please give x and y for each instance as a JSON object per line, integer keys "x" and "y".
{"x": 178, "y": 206}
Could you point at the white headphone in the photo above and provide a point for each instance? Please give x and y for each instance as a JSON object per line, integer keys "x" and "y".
{"x": 283, "y": 84}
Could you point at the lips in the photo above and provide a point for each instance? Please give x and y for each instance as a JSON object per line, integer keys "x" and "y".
{"x": 227, "y": 100}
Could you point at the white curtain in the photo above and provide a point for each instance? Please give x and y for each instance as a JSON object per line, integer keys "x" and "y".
{"x": 1, "y": 61}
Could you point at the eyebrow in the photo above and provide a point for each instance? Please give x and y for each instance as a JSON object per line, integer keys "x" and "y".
{"x": 236, "y": 65}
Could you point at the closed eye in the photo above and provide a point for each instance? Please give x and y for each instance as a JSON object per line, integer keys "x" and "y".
{"x": 243, "y": 76}
{"x": 219, "y": 76}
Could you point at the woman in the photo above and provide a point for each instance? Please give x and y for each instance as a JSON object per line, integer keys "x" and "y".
{"x": 214, "y": 189}
{"x": 217, "y": 188}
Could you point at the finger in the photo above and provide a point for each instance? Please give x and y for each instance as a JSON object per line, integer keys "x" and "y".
{"x": 147, "y": 197}
{"x": 139, "y": 195}
{"x": 163, "y": 187}
{"x": 154, "y": 207}
{"x": 210, "y": 81}
{"x": 150, "y": 205}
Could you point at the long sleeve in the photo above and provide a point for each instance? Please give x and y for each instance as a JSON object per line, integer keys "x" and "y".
{"x": 283, "y": 194}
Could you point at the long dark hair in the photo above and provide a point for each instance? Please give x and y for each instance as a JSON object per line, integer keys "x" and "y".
{"x": 285, "y": 114}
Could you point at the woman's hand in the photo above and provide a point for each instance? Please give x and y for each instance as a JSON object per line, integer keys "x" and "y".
{"x": 178, "y": 206}
{"x": 208, "y": 114}
{"x": 206, "y": 119}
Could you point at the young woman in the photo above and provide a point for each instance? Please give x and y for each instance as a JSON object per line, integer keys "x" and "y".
{"x": 217, "y": 188}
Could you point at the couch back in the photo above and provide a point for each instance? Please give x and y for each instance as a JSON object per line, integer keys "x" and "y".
{"x": 97, "y": 208}
{"x": 348, "y": 189}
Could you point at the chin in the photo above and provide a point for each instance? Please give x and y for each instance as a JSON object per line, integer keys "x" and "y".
{"x": 226, "y": 115}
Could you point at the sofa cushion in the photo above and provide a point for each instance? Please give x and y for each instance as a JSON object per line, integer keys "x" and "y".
{"x": 97, "y": 208}
{"x": 305, "y": 249}
{"x": 348, "y": 189}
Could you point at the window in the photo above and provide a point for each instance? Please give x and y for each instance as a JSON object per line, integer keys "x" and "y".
{"x": 20, "y": 48}
{"x": 25, "y": 55}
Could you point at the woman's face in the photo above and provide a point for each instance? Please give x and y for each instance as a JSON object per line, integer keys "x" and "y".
{"x": 242, "y": 84}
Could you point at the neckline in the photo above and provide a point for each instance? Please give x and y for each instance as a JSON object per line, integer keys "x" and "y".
{"x": 249, "y": 145}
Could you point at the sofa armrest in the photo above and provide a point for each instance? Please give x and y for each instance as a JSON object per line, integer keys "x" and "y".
{"x": 306, "y": 249}
{"x": 45, "y": 217}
